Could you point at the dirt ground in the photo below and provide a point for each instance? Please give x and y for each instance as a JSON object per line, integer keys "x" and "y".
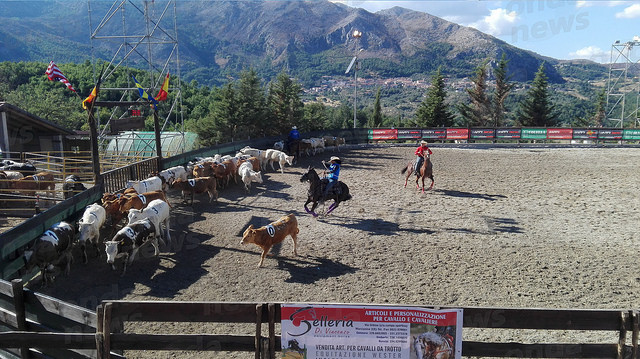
{"x": 516, "y": 227}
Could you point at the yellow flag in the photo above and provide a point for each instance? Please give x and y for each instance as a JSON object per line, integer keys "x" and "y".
{"x": 89, "y": 100}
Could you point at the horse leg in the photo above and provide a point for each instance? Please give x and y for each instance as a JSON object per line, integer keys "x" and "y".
{"x": 432, "y": 181}
{"x": 333, "y": 206}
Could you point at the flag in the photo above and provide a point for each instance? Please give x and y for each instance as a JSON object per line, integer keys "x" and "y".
{"x": 162, "y": 95}
{"x": 89, "y": 100}
{"x": 54, "y": 74}
{"x": 143, "y": 94}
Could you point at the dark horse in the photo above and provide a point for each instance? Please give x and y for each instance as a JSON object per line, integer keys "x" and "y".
{"x": 339, "y": 192}
{"x": 426, "y": 171}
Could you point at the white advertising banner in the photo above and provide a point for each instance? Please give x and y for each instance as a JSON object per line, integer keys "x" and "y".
{"x": 375, "y": 332}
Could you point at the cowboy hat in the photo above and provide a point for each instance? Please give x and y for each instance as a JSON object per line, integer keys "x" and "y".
{"x": 423, "y": 142}
{"x": 334, "y": 158}
{"x": 294, "y": 128}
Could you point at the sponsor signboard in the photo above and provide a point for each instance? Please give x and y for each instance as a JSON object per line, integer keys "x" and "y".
{"x": 631, "y": 134}
{"x": 534, "y": 134}
{"x": 482, "y": 133}
{"x": 560, "y": 133}
{"x": 435, "y": 134}
{"x": 312, "y": 331}
{"x": 585, "y": 134}
{"x": 508, "y": 133}
{"x": 409, "y": 134}
{"x": 610, "y": 134}
{"x": 383, "y": 134}
{"x": 457, "y": 133}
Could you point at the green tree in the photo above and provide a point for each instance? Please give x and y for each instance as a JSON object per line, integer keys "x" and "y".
{"x": 315, "y": 117}
{"x": 601, "y": 107}
{"x": 376, "y": 119}
{"x": 537, "y": 110}
{"x": 252, "y": 116}
{"x": 285, "y": 104}
{"x": 433, "y": 111}
{"x": 478, "y": 112}
{"x": 503, "y": 88}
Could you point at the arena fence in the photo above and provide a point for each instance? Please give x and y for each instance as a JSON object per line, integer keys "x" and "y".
{"x": 42, "y": 326}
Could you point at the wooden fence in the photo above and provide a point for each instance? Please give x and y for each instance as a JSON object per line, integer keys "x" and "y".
{"x": 116, "y": 180}
{"x": 44, "y": 325}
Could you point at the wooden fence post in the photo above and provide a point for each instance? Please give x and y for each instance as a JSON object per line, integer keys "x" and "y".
{"x": 258, "y": 330}
{"x": 99, "y": 332}
{"x": 623, "y": 334}
{"x": 272, "y": 330}
{"x": 17, "y": 290}
{"x": 106, "y": 331}
{"x": 634, "y": 336}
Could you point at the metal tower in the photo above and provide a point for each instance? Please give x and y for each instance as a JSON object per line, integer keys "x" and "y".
{"x": 143, "y": 35}
{"x": 623, "y": 85}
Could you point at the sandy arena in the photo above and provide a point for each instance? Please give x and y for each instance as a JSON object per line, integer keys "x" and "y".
{"x": 523, "y": 227}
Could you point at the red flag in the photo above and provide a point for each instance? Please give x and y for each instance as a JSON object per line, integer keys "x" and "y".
{"x": 54, "y": 73}
{"x": 162, "y": 95}
{"x": 87, "y": 101}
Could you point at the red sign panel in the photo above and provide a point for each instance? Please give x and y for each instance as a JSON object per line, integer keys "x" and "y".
{"x": 384, "y": 134}
{"x": 457, "y": 133}
{"x": 559, "y": 133}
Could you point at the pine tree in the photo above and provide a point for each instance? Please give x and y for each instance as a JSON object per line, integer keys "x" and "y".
{"x": 285, "y": 104}
{"x": 601, "y": 105}
{"x": 478, "y": 112}
{"x": 537, "y": 110}
{"x": 503, "y": 88}
{"x": 376, "y": 119}
{"x": 251, "y": 101}
{"x": 433, "y": 111}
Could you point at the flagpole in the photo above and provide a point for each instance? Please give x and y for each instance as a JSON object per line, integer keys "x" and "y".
{"x": 95, "y": 156}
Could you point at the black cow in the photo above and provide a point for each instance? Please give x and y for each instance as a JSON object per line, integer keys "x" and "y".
{"x": 72, "y": 186}
{"x": 26, "y": 168}
{"x": 52, "y": 249}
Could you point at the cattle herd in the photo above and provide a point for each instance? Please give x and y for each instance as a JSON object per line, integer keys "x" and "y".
{"x": 145, "y": 207}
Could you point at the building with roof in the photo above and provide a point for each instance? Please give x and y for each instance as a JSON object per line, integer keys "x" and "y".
{"x": 21, "y": 131}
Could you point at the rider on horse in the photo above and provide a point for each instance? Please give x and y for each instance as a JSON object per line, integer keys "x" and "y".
{"x": 293, "y": 138}
{"x": 420, "y": 152}
{"x": 333, "y": 172}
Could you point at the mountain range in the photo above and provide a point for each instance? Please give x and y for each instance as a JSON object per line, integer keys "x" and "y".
{"x": 310, "y": 39}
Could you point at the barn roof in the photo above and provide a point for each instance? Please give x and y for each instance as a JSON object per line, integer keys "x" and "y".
{"x": 20, "y": 118}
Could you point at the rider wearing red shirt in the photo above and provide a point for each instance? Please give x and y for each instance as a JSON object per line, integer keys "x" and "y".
{"x": 420, "y": 151}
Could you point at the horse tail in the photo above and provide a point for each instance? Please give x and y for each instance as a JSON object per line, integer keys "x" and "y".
{"x": 404, "y": 170}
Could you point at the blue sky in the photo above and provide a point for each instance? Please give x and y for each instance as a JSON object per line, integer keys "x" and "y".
{"x": 562, "y": 29}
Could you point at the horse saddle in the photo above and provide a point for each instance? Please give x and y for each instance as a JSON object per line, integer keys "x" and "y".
{"x": 336, "y": 189}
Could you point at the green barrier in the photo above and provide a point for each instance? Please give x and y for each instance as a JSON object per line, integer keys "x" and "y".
{"x": 630, "y": 134}
{"x": 534, "y": 134}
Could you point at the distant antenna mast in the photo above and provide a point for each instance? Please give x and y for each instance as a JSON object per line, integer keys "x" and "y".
{"x": 354, "y": 64}
{"x": 623, "y": 87}
{"x": 141, "y": 34}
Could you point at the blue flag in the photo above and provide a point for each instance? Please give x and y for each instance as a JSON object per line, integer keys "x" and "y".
{"x": 143, "y": 94}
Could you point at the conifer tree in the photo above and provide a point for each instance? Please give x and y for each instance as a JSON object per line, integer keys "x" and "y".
{"x": 285, "y": 104}
{"x": 478, "y": 112}
{"x": 433, "y": 111}
{"x": 251, "y": 103}
{"x": 537, "y": 110}
{"x": 376, "y": 119}
{"x": 503, "y": 88}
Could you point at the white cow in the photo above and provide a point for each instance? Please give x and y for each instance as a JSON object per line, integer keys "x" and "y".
{"x": 279, "y": 145}
{"x": 158, "y": 213}
{"x": 280, "y": 157}
{"x": 248, "y": 175}
{"x": 13, "y": 175}
{"x": 89, "y": 225}
{"x": 259, "y": 154}
{"x": 317, "y": 144}
{"x": 148, "y": 185}
{"x": 171, "y": 174}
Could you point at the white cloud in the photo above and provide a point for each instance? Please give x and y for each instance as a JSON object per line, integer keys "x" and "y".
{"x": 592, "y": 53}
{"x": 589, "y": 3}
{"x": 630, "y": 12}
{"x": 498, "y": 22}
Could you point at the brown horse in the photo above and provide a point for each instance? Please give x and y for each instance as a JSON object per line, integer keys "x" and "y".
{"x": 426, "y": 171}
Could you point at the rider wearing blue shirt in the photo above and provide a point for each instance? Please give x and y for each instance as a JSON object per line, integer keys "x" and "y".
{"x": 333, "y": 172}
{"x": 294, "y": 137}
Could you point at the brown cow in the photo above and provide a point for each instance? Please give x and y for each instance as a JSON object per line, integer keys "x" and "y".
{"x": 273, "y": 233}
{"x": 41, "y": 181}
{"x": 204, "y": 169}
{"x": 197, "y": 186}
{"x": 140, "y": 201}
{"x": 225, "y": 171}
{"x": 255, "y": 162}
{"x": 108, "y": 197}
